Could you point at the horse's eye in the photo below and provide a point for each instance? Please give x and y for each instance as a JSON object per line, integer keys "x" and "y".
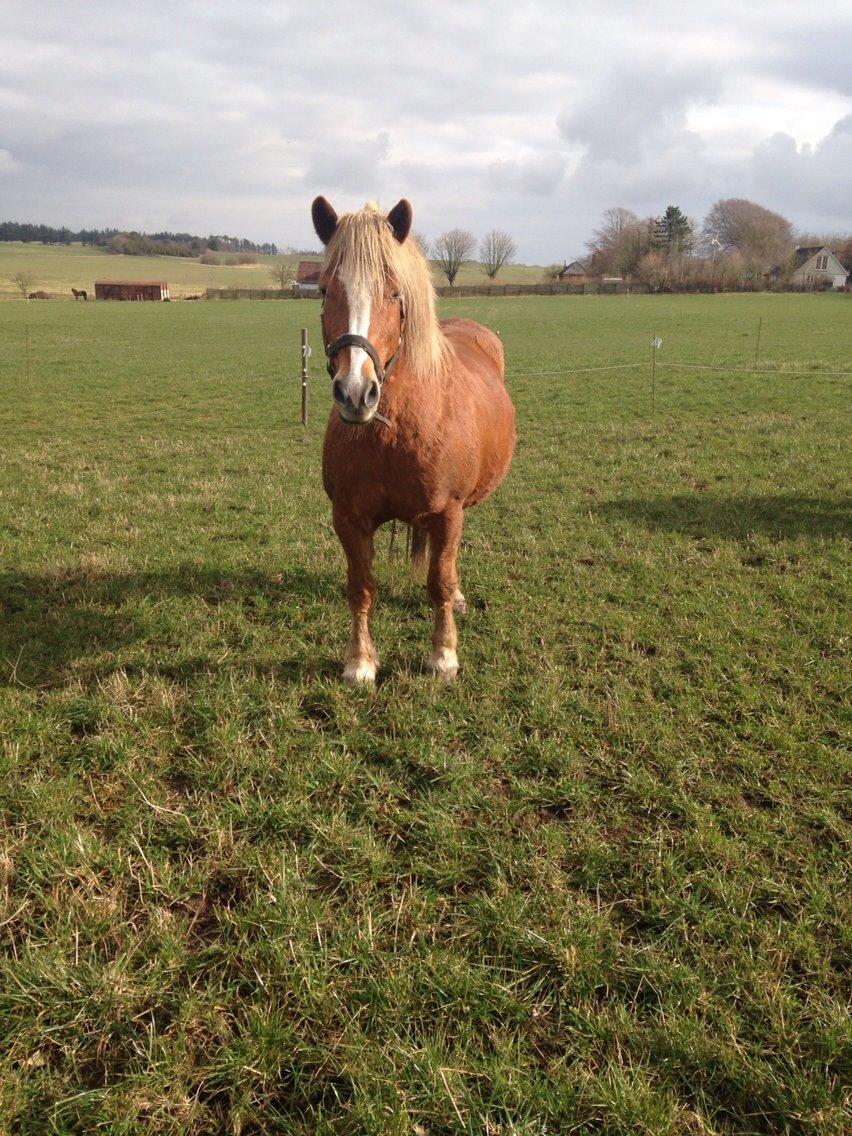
{"x": 323, "y": 290}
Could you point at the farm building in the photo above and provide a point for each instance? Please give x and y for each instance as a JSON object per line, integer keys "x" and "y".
{"x": 131, "y": 290}
{"x": 815, "y": 267}
{"x": 573, "y": 273}
{"x": 307, "y": 278}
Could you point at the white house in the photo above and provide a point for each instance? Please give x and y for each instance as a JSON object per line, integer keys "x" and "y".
{"x": 814, "y": 266}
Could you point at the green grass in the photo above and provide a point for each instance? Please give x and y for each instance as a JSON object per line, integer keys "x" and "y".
{"x": 59, "y": 268}
{"x": 599, "y": 885}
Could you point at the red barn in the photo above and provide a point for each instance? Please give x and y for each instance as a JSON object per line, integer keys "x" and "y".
{"x": 307, "y": 278}
{"x": 131, "y": 290}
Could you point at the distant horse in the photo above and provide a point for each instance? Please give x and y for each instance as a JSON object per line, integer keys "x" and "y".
{"x": 38, "y": 296}
{"x": 79, "y": 294}
{"x": 446, "y": 432}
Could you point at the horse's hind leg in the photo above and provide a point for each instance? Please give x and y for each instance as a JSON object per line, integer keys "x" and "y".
{"x": 362, "y": 659}
{"x": 443, "y": 584}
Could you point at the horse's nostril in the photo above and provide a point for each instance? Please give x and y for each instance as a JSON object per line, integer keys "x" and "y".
{"x": 337, "y": 391}
{"x": 371, "y": 395}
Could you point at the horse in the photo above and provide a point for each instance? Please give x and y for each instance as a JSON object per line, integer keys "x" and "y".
{"x": 422, "y": 425}
{"x": 78, "y": 293}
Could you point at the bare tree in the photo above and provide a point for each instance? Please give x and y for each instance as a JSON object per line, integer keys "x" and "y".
{"x": 614, "y": 221}
{"x": 653, "y": 270}
{"x": 282, "y": 273}
{"x": 758, "y": 234}
{"x": 497, "y": 249}
{"x": 452, "y": 249}
{"x": 620, "y": 243}
{"x": 25, "y": 282}
{"x": 421, "y": 241}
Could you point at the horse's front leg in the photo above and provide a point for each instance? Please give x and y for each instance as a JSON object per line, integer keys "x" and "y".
{"x": 443, "y": 585}
{"x": 357, "y": 540}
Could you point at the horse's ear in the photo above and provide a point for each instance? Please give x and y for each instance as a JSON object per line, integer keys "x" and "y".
{"x": 400, "y": 218}
{"x": 324, "y": 218}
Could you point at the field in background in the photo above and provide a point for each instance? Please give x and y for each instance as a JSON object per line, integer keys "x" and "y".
{"x": 59, "y": 268}
{"x": 598, "y": 885}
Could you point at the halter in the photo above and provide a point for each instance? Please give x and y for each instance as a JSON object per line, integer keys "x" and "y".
{"x": 351, "y": 340}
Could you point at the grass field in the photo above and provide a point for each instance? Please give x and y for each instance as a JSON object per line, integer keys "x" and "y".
{"x": 59, "y": 268}
{"x": 599, "y": 885}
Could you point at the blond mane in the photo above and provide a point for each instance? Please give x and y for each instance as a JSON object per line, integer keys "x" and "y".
{"x": 365, "y": 252}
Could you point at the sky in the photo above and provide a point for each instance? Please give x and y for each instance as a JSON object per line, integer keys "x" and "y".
{"x": 528, "y": 117}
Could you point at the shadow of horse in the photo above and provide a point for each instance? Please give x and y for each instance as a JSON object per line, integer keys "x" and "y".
{"x": 776, "y": 516}
{"x": 91, "y": 623}
{"x": 53, "y": 623}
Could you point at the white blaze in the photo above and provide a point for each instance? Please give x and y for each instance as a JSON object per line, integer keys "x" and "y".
{"x": 359, "y": 304}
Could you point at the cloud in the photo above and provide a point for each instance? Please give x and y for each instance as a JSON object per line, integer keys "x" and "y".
{"x": 634, "y": 109}
{"x": 347, "y": 165}
{"x": 531, "y": 119}
{"x": 811, "y": 181}
{"x": 538, "y": 176}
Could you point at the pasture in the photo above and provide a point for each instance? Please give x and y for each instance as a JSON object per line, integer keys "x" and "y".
{"x": 59, "y": 268}
{"x": 600, "y": 884}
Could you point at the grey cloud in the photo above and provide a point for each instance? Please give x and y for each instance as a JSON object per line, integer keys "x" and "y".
{"x": 232, "y": 117}
{"x": 348, "y": 165}
{"x": 812, "y": 182}
{"x": 539, "y": 176}
{"x": 635, "y": 108}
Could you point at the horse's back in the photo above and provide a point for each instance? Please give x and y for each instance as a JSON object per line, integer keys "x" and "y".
{"x": 468, "y": 336}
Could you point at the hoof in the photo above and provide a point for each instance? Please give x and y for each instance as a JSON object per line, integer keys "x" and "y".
{"x": 459, "y": 604}
{"x": 443, "y": 663}
{"x": 359, "y": 672}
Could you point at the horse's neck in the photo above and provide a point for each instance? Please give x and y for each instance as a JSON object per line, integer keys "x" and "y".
{"x": 415, "y": 405}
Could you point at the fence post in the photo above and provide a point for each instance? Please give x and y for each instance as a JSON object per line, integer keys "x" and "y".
{"x": 757, "y": 345}
{"x": 306, "y": 354}
{"x": 655, "y": 343}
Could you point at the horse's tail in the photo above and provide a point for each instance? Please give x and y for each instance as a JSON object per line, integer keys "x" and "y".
{"x": 419, "y": 551}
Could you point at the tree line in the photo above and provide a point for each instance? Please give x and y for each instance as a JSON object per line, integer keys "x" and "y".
{"x": 133, "y": 243}
{"x": 735, "y": 245}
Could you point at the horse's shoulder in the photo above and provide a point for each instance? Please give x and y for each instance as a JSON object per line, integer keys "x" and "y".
{"x": 461, "y": 331}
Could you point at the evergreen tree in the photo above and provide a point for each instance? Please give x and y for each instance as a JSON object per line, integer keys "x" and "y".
{"x": 672, "y": 231}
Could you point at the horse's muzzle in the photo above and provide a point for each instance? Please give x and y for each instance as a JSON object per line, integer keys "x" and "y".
{"x": 356, "y": 398}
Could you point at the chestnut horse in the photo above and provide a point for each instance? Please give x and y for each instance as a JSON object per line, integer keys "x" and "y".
{"x": 422, "y": 424}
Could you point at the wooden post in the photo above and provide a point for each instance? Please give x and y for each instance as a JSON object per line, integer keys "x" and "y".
{"x": 654, "y": 342}
{"x": 27, "y": 354}
{"x": 306, "y": 354}
{"x": 757, "y": 345}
